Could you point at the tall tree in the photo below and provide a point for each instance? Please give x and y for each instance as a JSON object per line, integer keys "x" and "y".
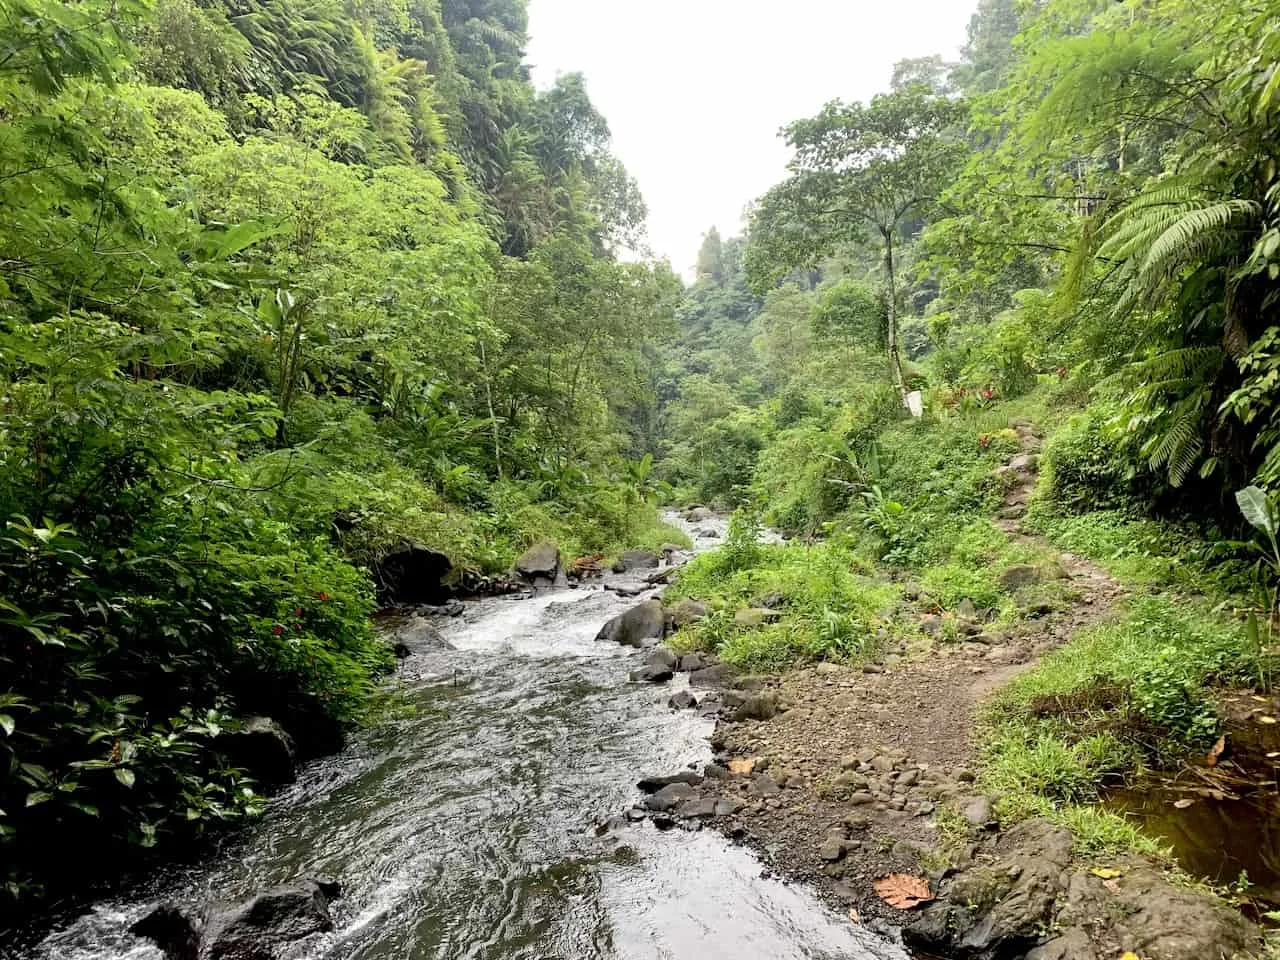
{"x": 861, "y": 172}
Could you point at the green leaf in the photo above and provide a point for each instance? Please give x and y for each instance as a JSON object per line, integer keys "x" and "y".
{"x": 36, "y": 797}
{"x": 1257, "y": 509}
{"x": 125, "y": 776}
{"x": 7, "y": 724}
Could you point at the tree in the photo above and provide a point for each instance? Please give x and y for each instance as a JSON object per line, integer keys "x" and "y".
{"x": 860, "y": 173}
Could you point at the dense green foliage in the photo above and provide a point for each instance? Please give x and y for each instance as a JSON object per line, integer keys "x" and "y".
{"x": 1072, "y": 230}
{"x": 282, "y": 286}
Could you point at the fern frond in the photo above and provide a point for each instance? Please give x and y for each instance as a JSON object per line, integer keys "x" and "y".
{"x": 1173, "y": 243}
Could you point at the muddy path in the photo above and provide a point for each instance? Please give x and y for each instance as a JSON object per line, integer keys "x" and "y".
{"x": 856, "y": 773}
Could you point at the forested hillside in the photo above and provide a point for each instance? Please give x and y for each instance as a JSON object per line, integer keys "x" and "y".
{"x": 282, "y": 286}
{"x": 1067, "y": 244}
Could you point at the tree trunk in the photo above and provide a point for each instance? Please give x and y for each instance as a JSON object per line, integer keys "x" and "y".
{"x": 891, "y": 309}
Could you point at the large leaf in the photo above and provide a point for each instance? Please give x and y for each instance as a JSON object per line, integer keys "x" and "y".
{"x": 1258, "y": 510}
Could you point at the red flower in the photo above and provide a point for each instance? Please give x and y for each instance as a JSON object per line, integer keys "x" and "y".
{"x": 988, "y": 394}
{"x": 277, "y": 630}
{"x": 298, "y": 627}
{"x": 322, "y": 596}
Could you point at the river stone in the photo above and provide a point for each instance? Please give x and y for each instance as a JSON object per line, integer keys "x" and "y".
{"x": 697, "y": 809}
{"x": 654, "y": 784}
{"x": 695, "y": 514}
{"x": 727, "y": 808}
{"x": 687, "y": 612}
{"x": 712, "y": 676}
{"x": 263, "y": 748}
{"x": 1072, "y": 945}
{"x": 539, "y": 563}
{"x": 256, "y": 929}
{"x": 662, "y": 657}
{"x": 645, "y": 621}
{"x": 412, "y": 574}
{"x": 652, "y": 675}
{"x": 669, "y": 796}
{"x": 682, "y": 700}
{"x": 638, "y": 560}
{"x": 831, "y": 851}
{"x": 696, "y": 661}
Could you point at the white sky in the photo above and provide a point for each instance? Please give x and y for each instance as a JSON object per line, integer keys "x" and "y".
{"x": 695, "y": 91}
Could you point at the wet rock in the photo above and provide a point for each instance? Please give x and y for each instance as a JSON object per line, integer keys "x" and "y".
{"x": 454, "y": 608}
{"x": 652, "y": 675}
{"x": 710, "y": 705}
{"x": 638, "y": 560}
{"x": 714, "y": 771}
{"x": 662, "y": 657}
{"x": 1177, "y": 924}
{"x": 708, "y": 534}
{"x": 978, "y": 812}
{"x": 727, "y": 808}
{"x": 401, "y": 651}
{"x": 692, "y": 662}
{"x": 540, "y": 564}
{"x": 256, "y": 929}
{"x": 695, "y": 514}
{"x": 654, "y": 784}
{"x": 683, "y": 700}
{"x": 643, "y": 622}
{"x": 687, "y": 612}
{"x": 670, "y": 550}
{"x": 669, "y": 797}
{"x": 753, "y": 618}
{"x": 632, "y": 589}
{"x": 831, "y": 851}
{"x": 412, "y": 573}
{"x": 263, "y": 748}
{"x": 697, "y": 809}
{"x": 635, "y": 814}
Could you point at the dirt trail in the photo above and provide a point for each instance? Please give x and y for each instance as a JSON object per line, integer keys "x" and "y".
{"x": 854, "y": 776}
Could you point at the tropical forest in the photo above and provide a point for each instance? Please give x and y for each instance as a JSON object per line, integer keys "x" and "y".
{"x": 403, "y": 556}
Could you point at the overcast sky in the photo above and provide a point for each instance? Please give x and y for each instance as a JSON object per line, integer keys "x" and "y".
{"x": 696, "y": 90}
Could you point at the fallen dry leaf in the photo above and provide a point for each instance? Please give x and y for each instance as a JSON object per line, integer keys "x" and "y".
{"x": 743, "y": 767}
{"x": 903, "y": 891}
{"x": 1273, "y": 754}
{"x": 855, "y": 916}
{"x": 1111, "y": 885}
{"x": 1267, "y": 720}
{"x": 1183, "y": 804}
{"x": 1218, "y": 750}
{"x": 1106, "y": 873}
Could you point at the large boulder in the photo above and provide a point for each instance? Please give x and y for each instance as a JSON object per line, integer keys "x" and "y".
{"x": 540, "y": 564}
{"x": 259, "y": 928}
{"x": 264, "y": 749}
{"x": 637, "y": 560}
{"x": 413, "y": 574}
{"x": 687, "y": 612}
{"x": 644, "y": 622}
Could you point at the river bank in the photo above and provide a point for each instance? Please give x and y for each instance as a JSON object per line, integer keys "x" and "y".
{"x": 470, "y": 824}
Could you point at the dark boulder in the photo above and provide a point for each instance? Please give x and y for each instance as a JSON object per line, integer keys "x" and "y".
{"x": 419, "y": 636}
{"x": 683, "y": 700}
{"x": 652, "y": 675}
{"x": 638, "y": 560}
{"x": 540, "y": 564}
{"x": 413, "y": 574}
{"x": 654, "y": 784}
{"x": 264, "y": 749}
{"x": 643, "y": 622}
{"x": 669, "y": 797}
{"x": 402, "y": 651}
{"x": 259, "y": 928}
{"x": 715, "y": 675}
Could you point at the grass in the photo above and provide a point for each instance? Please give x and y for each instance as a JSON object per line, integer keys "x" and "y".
{"x": 830, "y": 607}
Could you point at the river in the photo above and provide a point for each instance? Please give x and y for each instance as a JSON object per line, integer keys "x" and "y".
{"x": 470, "y": 827}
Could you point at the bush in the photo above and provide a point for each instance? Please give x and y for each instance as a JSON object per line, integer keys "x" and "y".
{"x": 1087, "y": 468}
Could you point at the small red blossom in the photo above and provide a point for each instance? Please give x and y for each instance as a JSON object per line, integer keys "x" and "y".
{"x": 277, "y": 630}
{"x": 988, "y": 394}
{"x": 298, "y": 627}
{"x": 985, "y": 441}
{"x": 322, "y": 595}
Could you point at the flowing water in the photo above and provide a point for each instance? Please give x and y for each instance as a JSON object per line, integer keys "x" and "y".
{"x": 470, "y": 829}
